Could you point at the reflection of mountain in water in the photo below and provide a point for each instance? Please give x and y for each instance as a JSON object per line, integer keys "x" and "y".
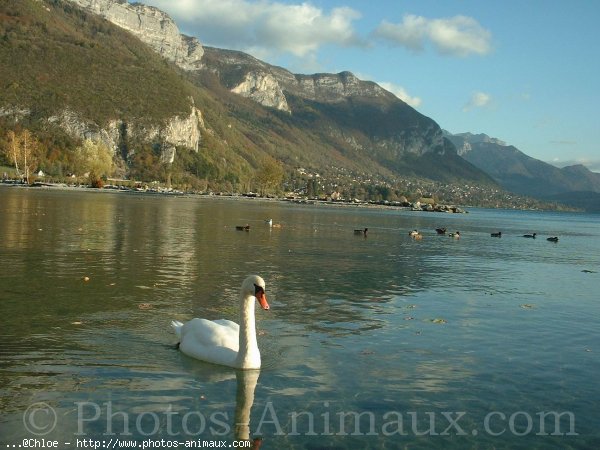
{"x": 163, "y": 251}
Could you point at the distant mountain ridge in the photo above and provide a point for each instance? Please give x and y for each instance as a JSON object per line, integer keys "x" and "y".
{"x": 265, "y": 83}
{"x": 520, "y": 173}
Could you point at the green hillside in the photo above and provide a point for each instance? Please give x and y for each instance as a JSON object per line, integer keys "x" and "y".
{"x": 54, "y": 56}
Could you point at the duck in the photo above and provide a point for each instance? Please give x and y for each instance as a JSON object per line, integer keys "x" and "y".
{"x": 222, "y": 341}
{"x": 532, "y": 236}
{"x": 498, "y": 234}
{"x": 455, "y": 235}
{"x": 553, "y": 239}
{"x": 269, "y": 222}
{"x": 363, "y": 232}
{"x": 243, "y": 227}
{"x": 413, "y": 233}
{"x": 441, "y": 230}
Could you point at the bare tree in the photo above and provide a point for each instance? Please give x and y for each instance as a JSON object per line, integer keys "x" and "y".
{"x": 23, "y": 149}
{"x": 13, "y": 150}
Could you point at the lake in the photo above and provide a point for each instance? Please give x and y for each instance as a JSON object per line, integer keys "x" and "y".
{"x": 383, "y": 342}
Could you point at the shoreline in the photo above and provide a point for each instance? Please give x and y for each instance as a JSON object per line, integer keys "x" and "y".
{"x": 440, "y": 208}
{"x": 234, "y": 197}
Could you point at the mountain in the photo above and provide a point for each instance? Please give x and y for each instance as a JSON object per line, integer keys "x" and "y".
{"x": 363, "y": 121}
{"x": 587, "y": 200}
{"x": 519, "y": 173}
{"x": 69, "y": 75}
{"x": 122, "y": 74}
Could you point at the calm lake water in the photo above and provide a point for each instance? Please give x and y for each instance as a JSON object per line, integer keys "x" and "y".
{"x": 381, "y": 342}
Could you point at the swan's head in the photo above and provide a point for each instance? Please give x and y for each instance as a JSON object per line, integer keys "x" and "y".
{"x": 255, "y": 285}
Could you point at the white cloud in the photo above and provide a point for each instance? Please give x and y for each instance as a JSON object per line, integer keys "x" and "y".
{"x": 401, "y": 93}
{"x": 456, "y": 36}
{"x": 478, "y": 100}
{"x": 265, "y": 26}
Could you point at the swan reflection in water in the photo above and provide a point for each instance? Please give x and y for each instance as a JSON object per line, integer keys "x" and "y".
{"x": 244, "y": 398}
{"x": 221, "y": 380}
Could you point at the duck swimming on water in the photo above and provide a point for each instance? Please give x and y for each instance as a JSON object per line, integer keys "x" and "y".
{"x": 498, "y": 234}
{"x": 530, "y": 235}
{"x": 553, "y": 239}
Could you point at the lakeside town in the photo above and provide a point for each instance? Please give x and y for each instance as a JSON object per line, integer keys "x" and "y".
{"x": 336, "y": 185}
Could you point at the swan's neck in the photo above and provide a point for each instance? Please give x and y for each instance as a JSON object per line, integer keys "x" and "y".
{"x": 248, "y": 354}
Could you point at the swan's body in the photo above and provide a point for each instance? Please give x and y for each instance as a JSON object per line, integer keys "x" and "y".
{"x": 222, "y": 341}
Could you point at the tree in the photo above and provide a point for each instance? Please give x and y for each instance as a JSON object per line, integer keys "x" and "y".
{"x": 95, "y": 159}
{"x": 23, "y": 150}
{"x": 13, "y": 150}
{"x": 269, "y": 174}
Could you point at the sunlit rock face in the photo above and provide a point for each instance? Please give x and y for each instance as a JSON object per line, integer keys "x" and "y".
{"x": 263, "y": 88}
{"x": 152, "y": 26}
{"x": 177, "y": 131}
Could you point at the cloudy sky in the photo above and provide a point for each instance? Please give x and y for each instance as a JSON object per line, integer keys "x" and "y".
{"x": 524, "y": 71}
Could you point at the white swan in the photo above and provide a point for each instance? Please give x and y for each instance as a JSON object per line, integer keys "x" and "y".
{"x": 222, "y": 341}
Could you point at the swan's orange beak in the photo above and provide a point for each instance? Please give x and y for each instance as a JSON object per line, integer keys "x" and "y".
{"x": 262, "y": 300}
{"x": 259, "y": 293}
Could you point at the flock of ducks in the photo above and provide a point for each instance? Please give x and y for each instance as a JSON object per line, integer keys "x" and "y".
{"x": 269, "y": 222}
{"x": 415, "y": 234}
{"x": 529, "y": 236}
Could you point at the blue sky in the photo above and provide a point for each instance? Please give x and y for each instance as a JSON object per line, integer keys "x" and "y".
{"x": 523, "y": 71}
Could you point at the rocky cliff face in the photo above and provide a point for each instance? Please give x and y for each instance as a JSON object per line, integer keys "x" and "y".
{"x": 333, "y": 87}
{"x": 177, "y": 131}
{"x": 152, "y": 26}
{"x": 464, "y": 141}
{"x": 263, "y": 88}
{"x": 269, "y": 85}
